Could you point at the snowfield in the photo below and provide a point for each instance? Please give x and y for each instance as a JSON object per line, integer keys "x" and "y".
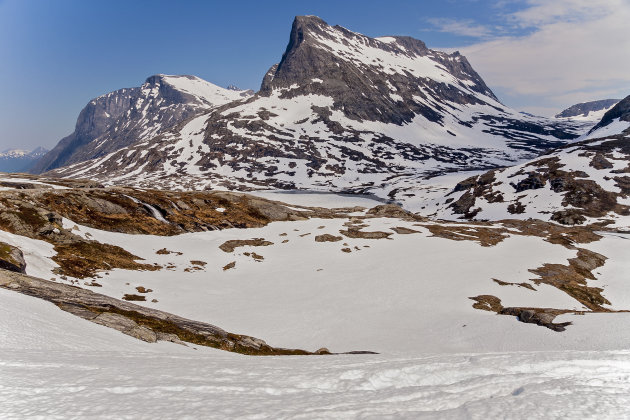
{"x": 50, "y": 370}
{"x": 410, "y": 293}
{"x": 406, "y": 297}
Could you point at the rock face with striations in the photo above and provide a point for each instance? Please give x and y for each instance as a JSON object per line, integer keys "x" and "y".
{"x": 340, "y": 111}
{"x": 359, "y": 74}
{"x": 126, "y": 116}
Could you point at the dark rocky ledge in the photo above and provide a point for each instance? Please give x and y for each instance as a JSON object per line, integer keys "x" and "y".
{"x": 146, "y": 324}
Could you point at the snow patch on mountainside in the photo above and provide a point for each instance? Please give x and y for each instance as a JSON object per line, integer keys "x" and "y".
{"x": 207, "y": 93}
{"x": 615, "y": 127}
{"x": 584, "y": 183}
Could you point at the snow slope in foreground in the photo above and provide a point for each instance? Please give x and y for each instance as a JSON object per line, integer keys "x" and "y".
{"x": 55, "y": 365}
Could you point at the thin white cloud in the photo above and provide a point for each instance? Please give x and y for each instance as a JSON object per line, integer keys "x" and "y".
{"x": 460, "y": 27}
{"x": 576, "y": 50}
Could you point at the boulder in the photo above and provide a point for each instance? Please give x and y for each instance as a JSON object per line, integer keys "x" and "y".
{"x": 11, "y": 258}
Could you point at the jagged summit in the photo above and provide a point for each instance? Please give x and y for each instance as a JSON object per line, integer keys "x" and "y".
{"x": 320, "y": 58}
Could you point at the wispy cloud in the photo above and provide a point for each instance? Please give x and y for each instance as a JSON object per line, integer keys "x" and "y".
{"x": 573, "y": 51}
{"x": 464, "y": 27}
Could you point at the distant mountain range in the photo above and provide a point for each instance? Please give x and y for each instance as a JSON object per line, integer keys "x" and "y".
{"x": 340, "y": 111}
{"x": 17, "y": 160}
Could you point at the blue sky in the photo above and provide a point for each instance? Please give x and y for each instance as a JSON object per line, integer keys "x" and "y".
{"x": 57, "y": 55}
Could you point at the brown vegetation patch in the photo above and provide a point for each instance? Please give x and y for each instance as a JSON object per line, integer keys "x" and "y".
{"x": 229, "y": 266}
{"x": 393, "y": 211}
{"x": 598, "y": 161}
{"x": 487, "y": 303}
{"x": 358, "y": 234}
{"x": 326, "y": 237}
{"x": 571, "y": 278}
{"x": 111, "y": 209}
{"x": 141, "y": 289}
{"x": 85, "y": 259}
{"x": 507, "y": 283}
{"x": 485, "y": 236}
{"x": 134, "y": 297}
{"x": 346, "y": 250}
{"x": 555, "y": 234}
{"x": 232, "y": 244}
{"x": 401, "y": 230}
{"x": 198, "y": 263}
{"x": 165, "y": 251}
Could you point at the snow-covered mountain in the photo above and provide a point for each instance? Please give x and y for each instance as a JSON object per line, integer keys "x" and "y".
{"x": 126, "y": 116}
{"x": 18, "y": 160}
{"x": 340, "y": 111}
{"x": 588, "y": 111}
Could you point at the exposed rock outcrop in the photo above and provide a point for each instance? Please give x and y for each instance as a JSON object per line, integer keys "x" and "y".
{"x": 137, "y": 321}
{"x": 11, "y": 258}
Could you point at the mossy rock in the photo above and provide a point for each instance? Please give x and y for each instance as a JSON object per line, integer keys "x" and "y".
{"x": 11, "y": 258}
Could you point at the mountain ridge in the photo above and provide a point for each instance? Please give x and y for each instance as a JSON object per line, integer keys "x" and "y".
{"x": 119, "y": 118}
{"x": 339, "y": 112}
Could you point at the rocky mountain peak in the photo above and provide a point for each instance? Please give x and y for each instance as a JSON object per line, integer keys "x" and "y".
{"x": 126, "y": 116}
{"x": 388, "y": 79}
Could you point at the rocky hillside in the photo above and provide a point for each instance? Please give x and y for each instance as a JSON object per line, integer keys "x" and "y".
{"x": 588, "y": 111}
{"x": 17, "y": 160}
{"x": 340, "y": 111}
{"x": 586, "y": 182}
{"x": 126, "y": 116}
{"x": 614, "y": 121}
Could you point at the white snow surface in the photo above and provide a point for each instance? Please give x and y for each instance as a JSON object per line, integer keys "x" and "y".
{"x": 203, "y": 90}
{"x": 393, "y": 295}
{"x": 615, "y": 127}
{"x": 55, "y": 365}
